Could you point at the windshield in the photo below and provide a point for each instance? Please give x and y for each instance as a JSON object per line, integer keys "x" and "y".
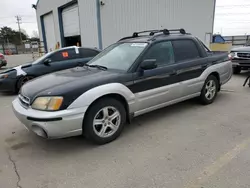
{"x": 119, "y": 56}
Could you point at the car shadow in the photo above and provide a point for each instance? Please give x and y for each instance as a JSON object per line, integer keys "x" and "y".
{"x": 7, "y": 93}
{"x": 25, "y": 141}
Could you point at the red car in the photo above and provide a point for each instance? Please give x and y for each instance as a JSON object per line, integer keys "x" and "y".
{"x": 3, "y": 61}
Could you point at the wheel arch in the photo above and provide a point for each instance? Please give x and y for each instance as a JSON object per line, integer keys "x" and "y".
{"x": 116, "y": 96}
{"x": 217, "y": 76}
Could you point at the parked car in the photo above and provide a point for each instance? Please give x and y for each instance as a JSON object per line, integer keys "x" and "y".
{"x": 134, "y": 76}
{"x": 3, "y": 61}
{"x": 240, "y": 58}
{"x": 13, "y": 79}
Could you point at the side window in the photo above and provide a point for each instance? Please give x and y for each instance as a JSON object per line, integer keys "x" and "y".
{"x": 63, "y": 55}
{"x": 85, "y": 53}
{"x": 162, "y": 52}
{"x": 185, "y": 50}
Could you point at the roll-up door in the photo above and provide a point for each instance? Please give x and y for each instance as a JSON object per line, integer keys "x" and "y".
{"x": 49, "y": 31}
{"x": 70, "y": 18}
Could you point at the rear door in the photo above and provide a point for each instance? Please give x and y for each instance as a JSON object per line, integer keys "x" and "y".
{"x": 155, "y": 87}
{"x": 190, "y": 65}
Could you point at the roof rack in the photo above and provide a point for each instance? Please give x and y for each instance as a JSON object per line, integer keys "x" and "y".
{"x": 153, "y": 32}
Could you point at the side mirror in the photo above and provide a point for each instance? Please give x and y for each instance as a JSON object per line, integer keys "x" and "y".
{"x": 47, "y": 61}
{"x": 148, "y": 64}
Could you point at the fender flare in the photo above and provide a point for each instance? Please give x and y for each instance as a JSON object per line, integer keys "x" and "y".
{"x": 88, "y": 97}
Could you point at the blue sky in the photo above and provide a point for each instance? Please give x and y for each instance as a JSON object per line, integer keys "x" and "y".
{"x": 232, "y": 16}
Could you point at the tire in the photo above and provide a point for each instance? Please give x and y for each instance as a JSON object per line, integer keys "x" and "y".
{"x": 211, "y": 86}
{"x": 22, "y": 81}
{"x": 105, "y": 130}
{"x": 236, "y": 70}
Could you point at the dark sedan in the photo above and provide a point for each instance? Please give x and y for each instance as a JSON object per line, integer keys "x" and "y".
{"x": 65, "y": 58}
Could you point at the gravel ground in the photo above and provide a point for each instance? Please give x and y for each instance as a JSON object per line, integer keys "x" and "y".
{"x": 182, "y": 146}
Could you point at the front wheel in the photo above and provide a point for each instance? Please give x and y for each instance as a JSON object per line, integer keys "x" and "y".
{"x": 104, "y": 121}
{"x": 209, "y": 90}
{"x": 22, "y": 81}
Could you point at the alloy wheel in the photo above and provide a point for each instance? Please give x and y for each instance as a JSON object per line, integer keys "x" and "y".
{"x": 106, "y": 122}
{"x": 210, "y": 89}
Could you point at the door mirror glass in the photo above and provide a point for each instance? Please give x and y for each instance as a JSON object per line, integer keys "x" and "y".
{"x": 148, "y": 64}
{"x": 47, "y": 61}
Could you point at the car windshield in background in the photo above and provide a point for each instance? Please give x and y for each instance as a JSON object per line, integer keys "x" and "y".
{"x": 119, "y": 56}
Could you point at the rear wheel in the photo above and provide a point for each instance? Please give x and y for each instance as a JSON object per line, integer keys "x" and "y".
{"x": 236, "y": 70}
{"x": 22, "y": 81}
{"x": 209, "y": 90}
{"x": 104, "y": 121}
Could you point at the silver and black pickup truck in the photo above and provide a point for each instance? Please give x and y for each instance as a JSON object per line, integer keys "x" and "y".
{"x": 136, "y": 75}
{"x": 240, "y": 58}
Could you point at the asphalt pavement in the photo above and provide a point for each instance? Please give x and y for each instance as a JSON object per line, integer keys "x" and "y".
{"x": 182, "y": 146}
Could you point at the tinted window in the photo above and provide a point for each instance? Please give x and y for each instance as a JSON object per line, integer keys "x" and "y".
{"x": 185, "y": 50}
{"x": 162, "y": 52}
{"x": 204, "y": 46}
{"x": 88, "y": 52}
{"x": 64, "y": 55}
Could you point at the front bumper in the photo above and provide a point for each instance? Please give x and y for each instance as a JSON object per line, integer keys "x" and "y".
{"x": 241, "y": 63}
{"x": 59, "y": 124}
{"x": 8, "y": 84}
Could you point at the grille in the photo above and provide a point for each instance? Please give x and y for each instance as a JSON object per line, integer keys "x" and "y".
{"x": 244, "y": 55}
{"x": 25, "y": 101}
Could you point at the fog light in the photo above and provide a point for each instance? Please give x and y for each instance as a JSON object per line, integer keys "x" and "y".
{"x": 39, "y": 131}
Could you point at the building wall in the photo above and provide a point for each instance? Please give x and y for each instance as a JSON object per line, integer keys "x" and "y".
{"x": 46, "y": 6}
{"x": 88, "y": 23}
{"x": 122, "y": 17}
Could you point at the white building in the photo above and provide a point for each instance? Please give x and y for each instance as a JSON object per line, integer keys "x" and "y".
{"x": 96, "y": 23}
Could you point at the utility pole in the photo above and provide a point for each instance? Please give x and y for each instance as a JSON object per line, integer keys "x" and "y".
{"x": 18, "y": 18}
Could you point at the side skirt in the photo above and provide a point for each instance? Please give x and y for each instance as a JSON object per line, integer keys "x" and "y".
{"x": 138, "y": 113}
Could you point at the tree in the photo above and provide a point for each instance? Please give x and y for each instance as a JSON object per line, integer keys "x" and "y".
{"x": 24, "y": 32}
{"x": 7, "y": 34}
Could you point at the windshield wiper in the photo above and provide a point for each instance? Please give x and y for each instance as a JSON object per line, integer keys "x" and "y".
{"x": 97, "y": 66}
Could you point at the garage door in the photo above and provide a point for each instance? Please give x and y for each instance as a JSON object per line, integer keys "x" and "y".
{"x": 70, "y": 17}
{"x": 49, "y": 31}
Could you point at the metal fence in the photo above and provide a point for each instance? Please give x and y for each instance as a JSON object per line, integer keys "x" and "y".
{"x": 240, "y": 40}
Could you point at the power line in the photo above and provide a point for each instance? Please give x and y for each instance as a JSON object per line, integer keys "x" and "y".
{"x": 233, "y": 6}
{"x": 232, "y": 14}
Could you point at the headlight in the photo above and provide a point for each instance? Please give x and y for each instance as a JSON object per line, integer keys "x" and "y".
{"x": 47, "y": 103}
{"x": 231, "y": 55}
{"x": 3, "y": 76}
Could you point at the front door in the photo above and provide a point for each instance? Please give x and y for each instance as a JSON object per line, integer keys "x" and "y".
{"x": 155, "y": 87}
{"x": 61, "y": 60}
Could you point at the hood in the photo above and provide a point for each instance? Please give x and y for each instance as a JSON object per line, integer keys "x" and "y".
{"x": 241, "y": 49}
{"x": 10, "y": 69}
{"x": 69, "y": 83}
